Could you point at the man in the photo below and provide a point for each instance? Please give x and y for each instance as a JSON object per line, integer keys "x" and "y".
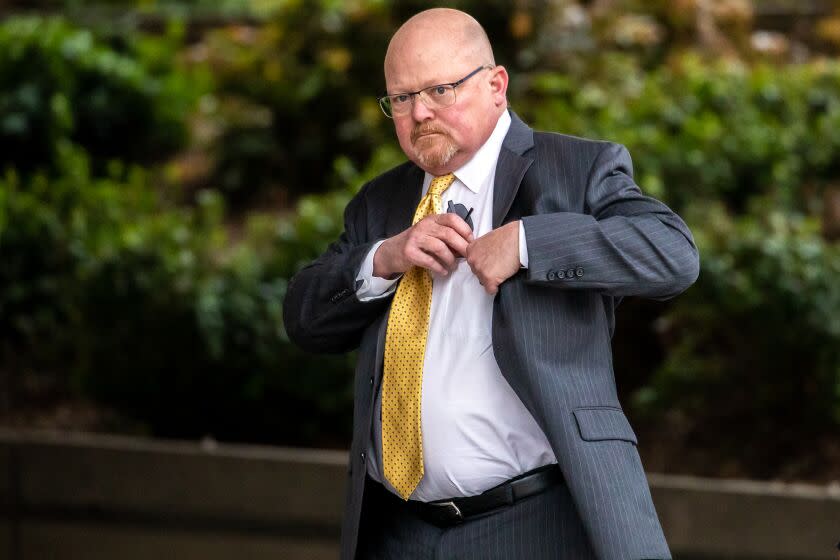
{"x": 479, "y": 282}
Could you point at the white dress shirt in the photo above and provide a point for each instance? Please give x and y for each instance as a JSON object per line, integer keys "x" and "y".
{"x": 476, "y": 433}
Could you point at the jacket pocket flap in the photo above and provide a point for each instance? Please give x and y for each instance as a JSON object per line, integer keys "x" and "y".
{"x": 603, "y": 423}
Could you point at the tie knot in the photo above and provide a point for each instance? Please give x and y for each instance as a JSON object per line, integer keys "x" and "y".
{"x": 440, "y": 184}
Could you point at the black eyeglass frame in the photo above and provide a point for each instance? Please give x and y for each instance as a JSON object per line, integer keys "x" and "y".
{"x": 414, "y": 94}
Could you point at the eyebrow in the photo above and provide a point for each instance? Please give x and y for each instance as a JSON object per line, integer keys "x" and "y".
{"x": 457, "y": 82}
{"x": 405, "y": 90}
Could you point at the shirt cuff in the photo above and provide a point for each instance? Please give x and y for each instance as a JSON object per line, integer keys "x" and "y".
{"x": 373, "y": 287}
{"x": 523, "y": 247}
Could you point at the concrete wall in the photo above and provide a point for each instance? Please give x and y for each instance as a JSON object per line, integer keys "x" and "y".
{"x": 78, "y": 496}
{"x": 100, "y": 497}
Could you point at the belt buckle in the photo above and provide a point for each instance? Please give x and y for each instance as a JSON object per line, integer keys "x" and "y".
{"x": 451, "y": 508}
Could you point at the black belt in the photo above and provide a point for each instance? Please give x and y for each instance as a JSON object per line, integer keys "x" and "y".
{"x": 445, "y": 513}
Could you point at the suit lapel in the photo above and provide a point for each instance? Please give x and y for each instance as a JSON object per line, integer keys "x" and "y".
{"x": 511, "y": 167}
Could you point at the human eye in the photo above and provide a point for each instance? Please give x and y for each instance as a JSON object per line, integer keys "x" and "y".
{"x": 439, "y": 91}
{"x": 400, "y": 99}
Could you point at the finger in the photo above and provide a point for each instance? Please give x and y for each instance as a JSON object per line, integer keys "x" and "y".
{"x": 490, "y": 285}
{"x": 472, "y": 258}
{"x": 420, "y": 258}
{"x": 457, "y": 223}
{"x": 453, "y": 239}
{"x": 440, "y": 250}
{"x": 428, "y": 244}
{"x": 470, "y": 250}
{"x": 474, "y": 271}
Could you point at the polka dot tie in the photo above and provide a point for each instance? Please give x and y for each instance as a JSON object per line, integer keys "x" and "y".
{"x": 405, "y": 348}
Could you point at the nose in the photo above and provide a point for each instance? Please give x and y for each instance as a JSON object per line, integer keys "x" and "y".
{"x": 419, "y": 111}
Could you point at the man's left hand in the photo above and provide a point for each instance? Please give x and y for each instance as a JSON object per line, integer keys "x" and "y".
{"x": 494, "y": 257}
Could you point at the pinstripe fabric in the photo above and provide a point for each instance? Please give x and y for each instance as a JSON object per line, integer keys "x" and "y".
{"x": 592, "y": 239}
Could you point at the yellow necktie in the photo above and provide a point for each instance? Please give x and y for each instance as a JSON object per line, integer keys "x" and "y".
{"x": 405, "y": 348}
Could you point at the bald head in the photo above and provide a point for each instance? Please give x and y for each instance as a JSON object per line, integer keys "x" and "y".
{"x": 439, "y": 34}
{"x": 444, "y": 128}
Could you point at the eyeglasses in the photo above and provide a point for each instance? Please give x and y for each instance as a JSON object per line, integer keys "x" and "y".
{"x": 434, "y": 97}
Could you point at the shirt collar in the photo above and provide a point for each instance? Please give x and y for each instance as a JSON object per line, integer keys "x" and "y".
{"x": 474, "y": 173}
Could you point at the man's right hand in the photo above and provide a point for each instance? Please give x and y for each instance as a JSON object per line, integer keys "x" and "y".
{"x": 433, "y": 243}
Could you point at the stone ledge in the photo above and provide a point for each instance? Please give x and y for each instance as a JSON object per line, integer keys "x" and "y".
{"x": 121, "y": 488}
{"x": 746, "y": 518}
{"x": 92, "y": 473}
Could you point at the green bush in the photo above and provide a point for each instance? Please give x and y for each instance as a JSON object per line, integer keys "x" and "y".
{"x": 290, "y": 97}
{"x": 151, "y": 309}
{"x": 71, "y": 243}
{"x": 60, "y": 85}
{"x": 702, "y": 131}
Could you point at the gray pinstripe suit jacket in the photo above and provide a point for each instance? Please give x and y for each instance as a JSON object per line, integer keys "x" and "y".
{"x": 592, "y": 238}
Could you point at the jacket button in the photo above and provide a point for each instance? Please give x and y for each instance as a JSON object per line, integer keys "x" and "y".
{"x": 560, "y": 274}
{"x": 362, "y": 455}
{"x": 371, "y": 381}
{"x": 550, "y": 275}
{"x": 570, "y": 273}
{"x": 579, "y": 271}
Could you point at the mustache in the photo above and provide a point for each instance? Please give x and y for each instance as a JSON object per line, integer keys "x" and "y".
{"x": 423, "y": 129}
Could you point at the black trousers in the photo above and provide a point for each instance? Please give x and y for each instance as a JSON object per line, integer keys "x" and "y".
{"x": 543, "y": 526}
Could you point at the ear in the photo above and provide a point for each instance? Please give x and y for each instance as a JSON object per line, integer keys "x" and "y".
{"x": 498, "y": 85}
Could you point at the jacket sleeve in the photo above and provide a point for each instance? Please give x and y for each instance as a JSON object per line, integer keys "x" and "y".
{"x": 625, "y": 243}
{"x": 321, "y": 311}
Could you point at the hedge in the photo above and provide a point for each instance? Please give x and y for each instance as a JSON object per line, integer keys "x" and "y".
{"x": 63, "y": 86}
